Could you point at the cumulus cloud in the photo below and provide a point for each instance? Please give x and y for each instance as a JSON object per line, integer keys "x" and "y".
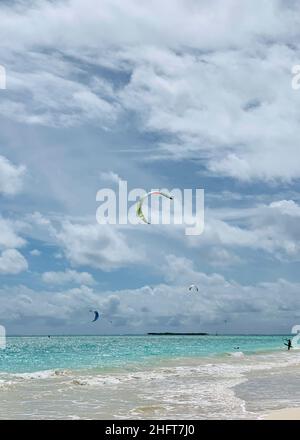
{"x": 9, "y": 236}
{"x": 68, "y": 276}
{"x": 110, "y": 176}
{"x": 147, "y": 23}
{"x": 12, "y": 262}
{"x": 75, "y": 100}
{"x": 86, "y": 243}
{"x": 98, "y": 246}
{"x": 216, "y": 101}
{"x": 11, "y": 177}
{"x": 163, "y": 307}
{"x": 221, "y": 108}
{"x": 220, "y": 97}
{"x": 271, "y": 228}
{"x": 35, "y": 253}
{"x": 220, "y": 257}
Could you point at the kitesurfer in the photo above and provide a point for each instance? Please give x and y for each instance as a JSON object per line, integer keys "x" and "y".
{"x": 288, "y": 344}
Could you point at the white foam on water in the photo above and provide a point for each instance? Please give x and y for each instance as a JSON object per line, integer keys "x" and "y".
{"x": 194, "y": 388}
{"x": 44, "y": 374}
{"x": 6, "y": 383}
{"x": 236, "y": 354}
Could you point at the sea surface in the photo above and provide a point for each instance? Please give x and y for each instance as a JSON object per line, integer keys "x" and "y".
{"x": 144, "y": 377}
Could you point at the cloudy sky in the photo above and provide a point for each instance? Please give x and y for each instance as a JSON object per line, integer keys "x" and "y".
{"x": 173, "y": 94}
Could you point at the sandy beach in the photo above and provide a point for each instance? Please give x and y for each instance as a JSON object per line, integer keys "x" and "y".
{"x": 284, "y": 414}
{"x": 142, "y": 377}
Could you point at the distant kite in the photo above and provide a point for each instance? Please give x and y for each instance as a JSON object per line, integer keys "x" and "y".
{"x": 96, "y": 315}
{"x": 193, "y": 288}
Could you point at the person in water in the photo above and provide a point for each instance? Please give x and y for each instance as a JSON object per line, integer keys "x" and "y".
{"x": 288, "y": 344}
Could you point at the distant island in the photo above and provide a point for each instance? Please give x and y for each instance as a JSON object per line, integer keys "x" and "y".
{"x": 184, "y": 334}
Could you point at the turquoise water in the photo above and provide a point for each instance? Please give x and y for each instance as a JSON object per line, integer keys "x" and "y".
{"x": 147, "y": 377}
{"x": 30, "y": 354}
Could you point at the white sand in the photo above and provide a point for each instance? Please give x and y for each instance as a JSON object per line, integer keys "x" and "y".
{"x": 284, "y": 414}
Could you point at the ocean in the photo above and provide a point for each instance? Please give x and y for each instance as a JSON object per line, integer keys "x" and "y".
{"x": 144, "y": 377}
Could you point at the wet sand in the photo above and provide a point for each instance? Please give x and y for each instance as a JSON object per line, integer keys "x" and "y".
{"x": 284, "y": 414}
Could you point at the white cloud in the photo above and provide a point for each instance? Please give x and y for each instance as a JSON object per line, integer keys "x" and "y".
{"x": 21, "y": 303}
{"x": 73, "y": 103}
{"x": 110, "y": 176}
{"x": 229, "y": 233}
{"x": 286, "y": 207}
{"x": 220, "y": 257}
{"x": 233, "y": 110}
{"x": 66, "y": 24}
{"x": 68, "y": 276}
{"x": 9, "y": 237}
{"x": 83, "y": 242}
{"x": 12, "y": 262}
{"x": 35, "y": 253}
{"x": 163, "y": 307}
{"x": 11, "y": 177}
{"x": 220, "y": 96}
{"x": 99, "y": 246}
{"x": 271, "y": 228}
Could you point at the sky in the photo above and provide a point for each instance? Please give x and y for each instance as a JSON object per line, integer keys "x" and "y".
{"x": 173, "y": 94}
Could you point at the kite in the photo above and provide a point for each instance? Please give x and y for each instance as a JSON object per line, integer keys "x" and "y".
{"x": 96, "y": 315}
{"x": 139, "y": 210}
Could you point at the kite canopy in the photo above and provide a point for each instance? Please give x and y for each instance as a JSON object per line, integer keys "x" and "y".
{"x": 96, "y": 315}
{"x": 193, "y": 288}
{"x": 139, "y": 206}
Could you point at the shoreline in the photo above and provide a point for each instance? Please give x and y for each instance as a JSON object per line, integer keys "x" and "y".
{"x": 227, "y": 386}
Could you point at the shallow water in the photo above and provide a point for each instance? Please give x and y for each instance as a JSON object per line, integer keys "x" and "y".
{"x": 28, "y": 354}
{"x": 181, "y": 377}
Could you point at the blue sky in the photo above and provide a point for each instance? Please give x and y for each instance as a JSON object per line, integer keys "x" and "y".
{"x": 185, "y": 94}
